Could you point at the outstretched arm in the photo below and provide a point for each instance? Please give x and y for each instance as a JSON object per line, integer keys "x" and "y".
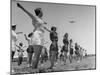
{"x": 26, "y": 37}
{"x": 19, "y": 32}
{"x": 47, "y": 29}
{"x": 28, "y": 13}
{"x": 17, "y": 46}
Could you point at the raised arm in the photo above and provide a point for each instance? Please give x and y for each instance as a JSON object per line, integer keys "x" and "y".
{"x": 46, "y": 29}
{"x": 17, "y": 46}
{"x": 26, "y": 37}
{"x": 19, "y": 32}
{"x": 28, "y": 13}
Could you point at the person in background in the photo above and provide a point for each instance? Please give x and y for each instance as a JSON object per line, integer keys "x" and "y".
{"x": 54, "y": 45}
{"x": 38, "y": 32}
{"x": 65, "y": 47}
{"x": 20, "y": 53}
{"x": 71, "y": 51}
{"x": 14, "y": 39}
{"x": 44, "y": 55}
{"x": 30, "y": 49}
{"x": 77, "y": 47}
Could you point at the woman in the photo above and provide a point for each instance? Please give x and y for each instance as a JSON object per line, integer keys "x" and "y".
{"x": 54, "y": 46}
{"x": 65, "y": 47}
{"x": 14, "y": 39}
{"x": 71, "y": 51}
{"x": 38, "y": 31}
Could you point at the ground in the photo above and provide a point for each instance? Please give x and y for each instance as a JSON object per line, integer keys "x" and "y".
{"x": 86, "y": 63}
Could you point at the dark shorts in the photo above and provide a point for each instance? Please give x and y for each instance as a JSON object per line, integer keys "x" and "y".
{"x": 53, "y": 48}
{"x": 71, "y": 52}
{"x": 30, "y": 49}
{"x": 77, "y": 53}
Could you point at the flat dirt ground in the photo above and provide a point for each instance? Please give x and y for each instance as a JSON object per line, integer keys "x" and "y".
{"x": 84, "y": 64}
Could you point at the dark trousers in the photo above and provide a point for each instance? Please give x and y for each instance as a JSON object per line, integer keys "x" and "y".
{"x": 53, "y": 55}
{"x": 20, "y": 59}
{"x": 37, "y": 52}
{"x": 30, "y": 58}
{"x": 30, "y": 52}
{"x": 12, "y": 55}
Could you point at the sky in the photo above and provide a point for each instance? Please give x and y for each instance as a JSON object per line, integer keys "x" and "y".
{"x": 81, "y": 31}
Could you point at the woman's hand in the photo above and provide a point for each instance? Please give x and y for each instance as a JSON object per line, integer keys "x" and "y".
{"x": 18, "y": 5}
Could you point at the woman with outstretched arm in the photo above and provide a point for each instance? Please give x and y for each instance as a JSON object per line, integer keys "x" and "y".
{"x": 36, "y": 19}
{"x": 37, "y": 37}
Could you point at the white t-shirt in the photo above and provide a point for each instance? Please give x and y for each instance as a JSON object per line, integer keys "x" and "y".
{"x": 14, "y": 39}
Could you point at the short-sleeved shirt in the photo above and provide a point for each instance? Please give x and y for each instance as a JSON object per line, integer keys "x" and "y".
{"x": 14, "y": 39}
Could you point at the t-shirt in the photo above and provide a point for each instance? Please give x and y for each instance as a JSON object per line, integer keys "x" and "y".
{"x": 14, "y": 39}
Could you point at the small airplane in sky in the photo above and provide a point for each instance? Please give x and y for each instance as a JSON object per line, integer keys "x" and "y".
{"x": 72, "y": 21}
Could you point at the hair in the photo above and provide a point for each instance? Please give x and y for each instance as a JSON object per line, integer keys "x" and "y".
{"x": 71, "y": 40}
{"x": 14, "y": 27}
{"x": 53, "y": 28}
{"x": 21, "y": 44}
{"x": 38, "y": 11}
{"x": 66, "y": 35}
{"x": 75, "y": 43}
{"x": 30, "y": 34}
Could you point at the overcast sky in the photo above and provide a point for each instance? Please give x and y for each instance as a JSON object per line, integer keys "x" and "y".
{"x": 82, "y": 30}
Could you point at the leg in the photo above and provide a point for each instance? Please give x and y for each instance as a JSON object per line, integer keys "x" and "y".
{"x": 37, "y": 52}
{"x": 52, "y": 58}
{"x": 19, "y": 61}
{"x": 13, "y": 53}
{"x": 65, "y": 57}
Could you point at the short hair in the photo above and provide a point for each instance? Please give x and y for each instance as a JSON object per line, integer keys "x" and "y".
{"x": 14, "y": 26}
{"x": 53, "y": 28}
{"x": 21, "y": 44}
{"x": 71, "y": 40}
{"x": 66, "y": 34}
{"x": 30, "y": 34}
{"x": 38, "y": 11}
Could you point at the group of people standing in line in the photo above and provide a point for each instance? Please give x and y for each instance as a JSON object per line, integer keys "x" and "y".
{"x": 35, "y": 41}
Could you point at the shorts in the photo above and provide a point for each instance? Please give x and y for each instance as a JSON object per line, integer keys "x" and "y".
{"x": 30, "y": 49}
{"x": 53, "y": 48}
{"x": 71, "y": 52}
